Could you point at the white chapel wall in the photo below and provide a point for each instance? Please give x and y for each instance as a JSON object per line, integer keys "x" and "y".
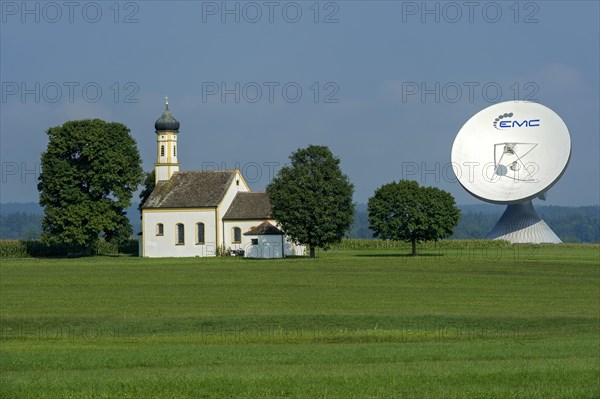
{"x": 165, "y": 246}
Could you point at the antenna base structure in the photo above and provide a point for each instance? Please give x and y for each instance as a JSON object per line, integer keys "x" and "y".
{"x": 521, "y": 224}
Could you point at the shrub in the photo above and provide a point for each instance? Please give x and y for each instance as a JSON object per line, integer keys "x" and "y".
{"x": 37, "y": 249}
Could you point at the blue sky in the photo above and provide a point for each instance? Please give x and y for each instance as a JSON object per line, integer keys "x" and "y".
{"x": 386, "y": 85}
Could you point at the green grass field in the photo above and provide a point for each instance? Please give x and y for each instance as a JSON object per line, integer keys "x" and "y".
{"x": 513, "y": 322}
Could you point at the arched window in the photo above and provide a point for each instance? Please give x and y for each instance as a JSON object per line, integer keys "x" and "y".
{"x": 199, "y": 233}
{"x": 162, "y": 150}
{"x": 179, "y": 234}
{"x": 174, "y": 150}
{"x": 160, "y": 229}
{"x": 236, "y": 232}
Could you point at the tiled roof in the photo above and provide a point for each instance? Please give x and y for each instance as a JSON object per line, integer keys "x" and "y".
{"x": 246, "y": 206}
{"x": 191, "y": 189}
{"x": 264, "y": 229}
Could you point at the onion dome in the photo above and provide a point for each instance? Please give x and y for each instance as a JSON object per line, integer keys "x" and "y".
{"x": 166, "y": 122}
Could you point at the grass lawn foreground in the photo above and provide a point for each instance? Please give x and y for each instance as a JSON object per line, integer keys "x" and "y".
{"x": 513, "y": 322}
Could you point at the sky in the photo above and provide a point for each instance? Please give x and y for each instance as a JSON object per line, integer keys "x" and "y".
{"x": 386, "y": 85}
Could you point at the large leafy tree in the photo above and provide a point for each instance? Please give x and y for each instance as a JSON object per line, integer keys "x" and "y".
{"x": 90, "y": 170}
{"x": 404, "y": 211}
{"x": 312, "y": 198}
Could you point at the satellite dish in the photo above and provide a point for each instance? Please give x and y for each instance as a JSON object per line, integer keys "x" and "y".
{"x": 511, "y": 153}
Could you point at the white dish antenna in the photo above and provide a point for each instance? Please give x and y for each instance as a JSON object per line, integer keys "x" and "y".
{"x": 510, "y": 153}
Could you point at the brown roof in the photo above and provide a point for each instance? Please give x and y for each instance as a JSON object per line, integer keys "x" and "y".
{"x": 249, "y": 206}
{"x": 264, "y": 229}
{"x": 192, "y": 189}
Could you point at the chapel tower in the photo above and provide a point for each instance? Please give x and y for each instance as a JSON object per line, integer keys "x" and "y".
{"x": 167, "y": 128}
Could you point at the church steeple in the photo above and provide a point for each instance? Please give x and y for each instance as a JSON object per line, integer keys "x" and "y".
{"x": 167, "y": 128}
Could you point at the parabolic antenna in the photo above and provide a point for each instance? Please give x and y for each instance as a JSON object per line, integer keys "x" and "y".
{"x": 510, "y": 153}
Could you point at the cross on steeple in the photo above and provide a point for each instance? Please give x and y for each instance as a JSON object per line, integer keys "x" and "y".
{"x": 167, "y": 102}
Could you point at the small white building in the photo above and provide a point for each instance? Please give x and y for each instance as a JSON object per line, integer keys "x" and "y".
{"x": 268, "y": 242}
{"x": 203, "y": 213}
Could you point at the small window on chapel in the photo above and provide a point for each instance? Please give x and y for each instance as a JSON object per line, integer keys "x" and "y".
{"x": 199, "y": 233}
{"x": 237, "y": 235}
{"x": 162, "y": 150}
{"x": 255, "y": 241}
{"x": 160, "y": 229}
{"x": 180, "y": 237}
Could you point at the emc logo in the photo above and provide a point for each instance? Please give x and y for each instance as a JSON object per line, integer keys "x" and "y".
{"x": 500, "y": 124}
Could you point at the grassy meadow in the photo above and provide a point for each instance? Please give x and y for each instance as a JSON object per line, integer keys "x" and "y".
{"x": 457, "y": 322}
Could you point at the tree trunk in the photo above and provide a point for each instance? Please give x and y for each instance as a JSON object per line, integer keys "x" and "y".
{"x": 414, "y": 247}
{"x": 312, "y": 252}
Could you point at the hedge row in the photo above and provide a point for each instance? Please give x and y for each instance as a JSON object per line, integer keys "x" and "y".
{"x": 36, "y": 248}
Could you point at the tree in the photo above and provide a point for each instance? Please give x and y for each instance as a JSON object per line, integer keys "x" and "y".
{"x": 404, "y": 211}
{"x": 149, "y": 184}
{"x": 90, "y": 170}
{"x": 312, "y": 199}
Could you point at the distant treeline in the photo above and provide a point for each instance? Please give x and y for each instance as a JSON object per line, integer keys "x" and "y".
{"x": 571, "y": 224}
{"x": 23, "y": 221}
{"x": 20, "y": 226}
{"x": 581, "y": 224}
